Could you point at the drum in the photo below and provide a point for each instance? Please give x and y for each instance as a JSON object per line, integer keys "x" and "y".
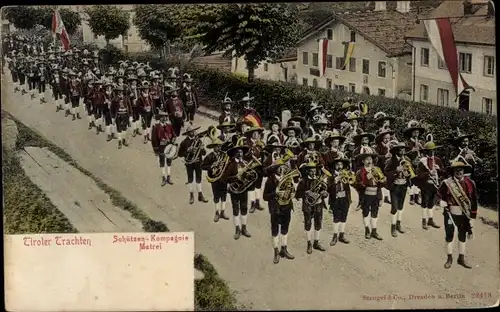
{"x": 171, "y": 151}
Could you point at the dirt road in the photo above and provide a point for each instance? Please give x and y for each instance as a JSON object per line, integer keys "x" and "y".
{"x": 402, "y": 272}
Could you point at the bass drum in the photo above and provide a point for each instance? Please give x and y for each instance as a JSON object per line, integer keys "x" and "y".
{"x": 171, "y": 151}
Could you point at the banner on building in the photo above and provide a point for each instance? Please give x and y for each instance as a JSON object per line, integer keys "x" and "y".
{"x": 322, "y": 56}
{"x": 348, "y": 50}
{"x": 58, "y": 28}
{"x": 440, "y": 35}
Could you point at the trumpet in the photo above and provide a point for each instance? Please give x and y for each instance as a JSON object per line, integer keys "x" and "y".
{"x": 347, "y": 177}
{"x": 378, "y": 175}
{"x": 408, "y": 171}
{"x": 242, "y": 181}
{"x": 466, "y": 153}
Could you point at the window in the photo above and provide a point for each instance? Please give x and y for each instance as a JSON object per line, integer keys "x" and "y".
{"x": 352, "y": 64}
{"x": 441, "y": 63}
{"x": 304, "y": 82}
{"x": 329, "y": 61}
{"x": 366, "y": 90}
{"x": 328, "y": 83}
{"x": 339, "y": 63}
{"x": 424, "y": 93}
{"x": 339, "y": 87}
{"x": 329, "y": 34}
{"x": 353, "y": 36}
{"x": 424, "y": 57}
{"x": 315, "y": 83}
{"x": 465, "y": 62}
{"x": 381, "y": 69}
{"x": 487, "y": 106}
{"x": 366, "y": 67}
{"x": 443, "y": 96}
{"x": 381, "y": 92}
{"x": 352, "y": 88}
{"x": 305, "y": 58}
{"x": 125, "y": 37}
{"x": 489, "y": 66}
{"x": 315, "y": 59}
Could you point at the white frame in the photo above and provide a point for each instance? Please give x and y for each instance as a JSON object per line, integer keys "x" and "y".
{"x": 486, "y": 67}
{"x": 440, "y": 96}
{"x": 485, "y": 111}
{"x": 385, "y": 69}
{"x": 424, "y": 86}
{"x": 460, "y": 62}
{"x": 422, "y": 57}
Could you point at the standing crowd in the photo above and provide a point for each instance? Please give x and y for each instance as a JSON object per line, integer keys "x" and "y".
{"x": 317, "y": 159}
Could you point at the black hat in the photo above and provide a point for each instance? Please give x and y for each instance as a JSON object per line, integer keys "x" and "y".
{"x": 275, "y": 121}
{"x": 357, "y": 138}
{"x": 398, "y": 146}
{"x": 380, "y": 117}
{"x": 412, "y": 126}
{"x": 345, "y": 161}
{"x": 461, "y": 136}
{"x": 335, "y": 134}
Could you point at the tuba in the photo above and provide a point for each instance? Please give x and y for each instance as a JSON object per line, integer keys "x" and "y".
{"x": 197, "y": 146}
{"x": 285, "y": 190}
{"x": 408, "y": 171}
{"x": 242, "y": 181}
{"x": 347, "y": 177}
{"x": 219, "y": 166}
{"x": 319, "y": 185}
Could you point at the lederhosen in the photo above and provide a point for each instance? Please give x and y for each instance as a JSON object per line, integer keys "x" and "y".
{"x": 36, "y": 76}
{"x": 74, "y": 92}
{"x": 453, "y": 215}
{"x": 339, "y": 200}
{"x": 310, "y": 212}
{"x": 30, "y": 73}
{"x": 190, "y": 101}
{"x": 281, "y": 215}
{"x": 239, "y": 202}
{"x": 219, "y": 187}
{"x": 161, "y": 136}
{"x": 145, "y": 105}
{"x": 97, "y": 99}
{"x": 121, "y": 113}
{"x": 195, "y": 167}
{"x": 369, "y": 193}
{"x": 21, "y": 72}
{"x": 42, "y": 81}
{"x": 134, "y": 95}
{"x": 106, "y": 108}
{"x": 396, "y": 183}
{"x": 13, "y": 70}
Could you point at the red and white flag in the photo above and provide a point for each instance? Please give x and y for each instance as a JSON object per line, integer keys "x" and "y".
{"x": 58, "y": 28}
{"x": 440, "y": 34}
{"x": 322, "y": 54}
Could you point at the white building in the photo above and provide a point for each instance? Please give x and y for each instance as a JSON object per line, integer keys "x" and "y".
{"x": 381, "y": 60}
{"x": 131, "y": 42}
{"x": 283, "y": 69}
{"x": 475, "y": 41}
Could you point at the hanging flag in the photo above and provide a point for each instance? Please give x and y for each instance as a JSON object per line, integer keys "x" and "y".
{"x": 58, "y": 28}
{"x": 440, "y": 35}
{"x": 322, "y": 55}
{"x": 348, "y": 50}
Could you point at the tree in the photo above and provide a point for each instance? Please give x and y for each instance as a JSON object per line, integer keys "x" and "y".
{"x": 256, "y": 31}
{"x": 108, "y": 21}
{"x": 71, "y": 19}
{"x": 162, "y": 25}
{"x": 23, "y": 17}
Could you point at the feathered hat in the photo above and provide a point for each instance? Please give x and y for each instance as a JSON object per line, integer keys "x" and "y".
{"x": 430, "y": 144}
{"x": 461, "y": 136}
{"x": 412, "y": 126}
{"x": 187, "y": 78}
{"x": 380, "y": 117}
{"x": 313, "y": 106}
{"x": 275, "y": 121}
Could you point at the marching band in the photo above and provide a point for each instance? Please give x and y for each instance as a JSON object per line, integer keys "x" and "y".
{"x": 315, "y": 159}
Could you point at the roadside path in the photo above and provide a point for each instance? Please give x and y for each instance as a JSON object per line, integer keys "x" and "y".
{"x": 411, "y": 264}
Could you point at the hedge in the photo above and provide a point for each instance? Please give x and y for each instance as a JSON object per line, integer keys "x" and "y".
{"x": 272, "y": 97}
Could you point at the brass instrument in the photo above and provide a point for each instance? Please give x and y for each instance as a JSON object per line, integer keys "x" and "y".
{"x": 197, "y": 146}
{"x": 319, "y": 185}
{"x": 408, "y": 171}
{"x": 293, "y": 143}
{"x": 285, "y": 190}
{"x": 347, "y": 177}
{"x": 244, "y": 179}
{"x": 378, "y": 175}
{"x": 467, "y": 153}
{"x": 219, "y": 166}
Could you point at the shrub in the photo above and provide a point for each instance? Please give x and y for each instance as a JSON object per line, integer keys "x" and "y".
{"x": 111, "y": 55}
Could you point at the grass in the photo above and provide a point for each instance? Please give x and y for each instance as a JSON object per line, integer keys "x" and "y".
{"x": 36, "y": 214}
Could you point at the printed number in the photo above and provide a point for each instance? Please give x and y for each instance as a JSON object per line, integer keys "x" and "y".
{"x": 481, "y": 295}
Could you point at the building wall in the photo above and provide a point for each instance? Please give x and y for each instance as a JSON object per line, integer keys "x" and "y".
{"x": 436, "y": 77}
{"x": 132, "y": 42}
{"x": 275, "y": 72}
{"x": 363, "y": 49}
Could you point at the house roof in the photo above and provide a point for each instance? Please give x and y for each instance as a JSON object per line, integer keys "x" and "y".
{"x": 468, "y": 29}
{"x": 385, "y": 29}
